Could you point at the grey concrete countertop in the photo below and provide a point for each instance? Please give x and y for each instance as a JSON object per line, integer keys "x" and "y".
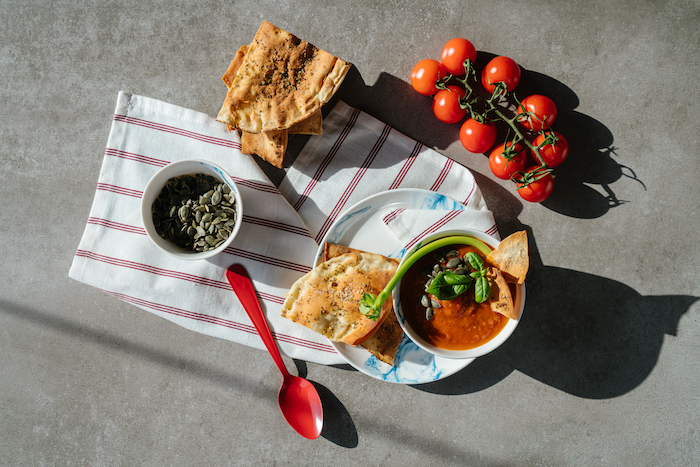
{"x": 605, "y": 370}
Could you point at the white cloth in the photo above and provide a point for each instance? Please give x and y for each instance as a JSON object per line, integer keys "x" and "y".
{"x": 356, "y": 156}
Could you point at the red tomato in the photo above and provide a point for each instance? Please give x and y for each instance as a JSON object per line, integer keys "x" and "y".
{"x": 555, "y": 150}
{"x": 536, "y": 191}
{"x": 425, "y": 74}
{"x": 503, "y": 167}
{"x": 500, "y": 69}
{"x": 477, "y": 137}
{"x": 455, "y": 52}
{"x": 446, "y": 104}
{"x": 542, "y": 109}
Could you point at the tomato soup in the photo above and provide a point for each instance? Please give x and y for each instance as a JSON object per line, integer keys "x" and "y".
{"x": 457, "y": 324}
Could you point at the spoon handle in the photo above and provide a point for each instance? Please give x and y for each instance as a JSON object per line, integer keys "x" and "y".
{"x": 243, "y": 287}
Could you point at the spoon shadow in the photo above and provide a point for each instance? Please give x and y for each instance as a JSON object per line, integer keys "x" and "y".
{"x": 338, "y": 426}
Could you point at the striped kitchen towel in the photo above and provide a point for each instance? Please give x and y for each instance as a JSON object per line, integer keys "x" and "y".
{"x": 356, "y": 156}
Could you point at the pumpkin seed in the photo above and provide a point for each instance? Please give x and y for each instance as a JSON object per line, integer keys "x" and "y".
{"x": 184, "y": 212}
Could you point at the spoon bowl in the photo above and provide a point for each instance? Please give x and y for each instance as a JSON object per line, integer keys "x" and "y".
{"x": 301, "y": 406}
{"x": 298, "y": 399}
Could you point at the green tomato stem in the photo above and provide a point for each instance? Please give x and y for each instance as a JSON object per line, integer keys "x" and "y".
{"x": 499, "y": 92}
{"x": 418, "y": 254}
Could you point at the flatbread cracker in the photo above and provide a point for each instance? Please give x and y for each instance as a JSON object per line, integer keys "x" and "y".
{"x": 512, "y": 257}
{"x": 500, "y": 299}
{"x": 270, "y": 145}
{"x": 326, "y": 299}
{"x": 233, "y": 67}
{"x": 312, "y": 125}
{"x": 281, "y": 81}
{"x": 384, "y": 343}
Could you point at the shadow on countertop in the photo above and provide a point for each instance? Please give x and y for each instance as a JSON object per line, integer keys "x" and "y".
{"x": 583, "y": 334}
{"x": 583, "y": 186}
{"x": 587, "y": 335}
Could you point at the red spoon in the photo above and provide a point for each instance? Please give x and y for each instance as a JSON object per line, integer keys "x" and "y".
{"x": 298, "y": 398}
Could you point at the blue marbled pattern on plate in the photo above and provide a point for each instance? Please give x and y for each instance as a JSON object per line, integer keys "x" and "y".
{"x": 414, "y": 366}
{"x": 346, "y": 222}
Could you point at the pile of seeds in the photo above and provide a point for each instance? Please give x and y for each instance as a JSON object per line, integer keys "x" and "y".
{"x": 449, "y": 261}
{"x": 195, "y": 212}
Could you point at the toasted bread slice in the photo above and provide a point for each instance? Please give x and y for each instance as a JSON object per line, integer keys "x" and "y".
{"x": 269, "y": 145}
{"x": 384, "y": 343}
{"x": 281, "y": 81}
{"x": 327, "y": 298}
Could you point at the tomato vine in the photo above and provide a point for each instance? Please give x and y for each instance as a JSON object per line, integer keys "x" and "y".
{"x": 529, "y": 125}
{"x": 492, "y": 113}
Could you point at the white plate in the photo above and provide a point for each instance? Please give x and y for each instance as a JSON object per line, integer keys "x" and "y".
{"x": 361, "y": 227}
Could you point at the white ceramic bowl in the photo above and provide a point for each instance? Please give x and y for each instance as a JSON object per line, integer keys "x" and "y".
{"x": 156, "y": 184}
{"x": 495, "y": 342}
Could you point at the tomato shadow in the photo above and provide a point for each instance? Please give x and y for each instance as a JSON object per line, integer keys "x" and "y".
{"x": 584, "y": 182}
{"x": 583, "y": 187}
{"x": 587, "y": 335}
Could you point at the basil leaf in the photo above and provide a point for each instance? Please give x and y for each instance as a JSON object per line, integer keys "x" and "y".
{"x": 474, "y": 260}
{"x": 367, "y": 306}
{"x": 482, "y": 290}
{"x": 448, "y": 285}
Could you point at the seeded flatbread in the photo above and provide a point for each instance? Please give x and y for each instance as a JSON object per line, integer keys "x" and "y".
{"x": 384, "y": 343}
{"x": 326, "y": 299}
{"x": 269, "y": 145}
{"x": 512, "y": 257}
{"x": 312, "y": 125}
{"x": 282, "y": 80}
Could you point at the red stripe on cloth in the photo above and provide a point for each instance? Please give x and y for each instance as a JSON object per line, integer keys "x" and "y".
{"x": 168, "y": 273}
{"x": 152, "y": 269}
{"x": 270, "y": 298}
{"x": 443, "y": 174}
{"x": 471, "y": 192}
{"x": 407, "y": 166}
{"x": 119, "y": 190}
{"x": 327, "y": 160}
{"x": 353, "y": 183}
{"x": 262, "y": 222}
{"x": 233, "y": 251}
{"x": 434, "y": 227}
{"x": 259, "y": 186}
{"x": 277, "y": 225}
{"x": 135, "y": 157}
{"x": 218, "y": 321}
{"x": 303, "y": 268}
{"x": 116, "y": 225}
{"x": 392, "y": 215}
{"x": 492, "y": 230}
{"x": 177, "y": 131}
